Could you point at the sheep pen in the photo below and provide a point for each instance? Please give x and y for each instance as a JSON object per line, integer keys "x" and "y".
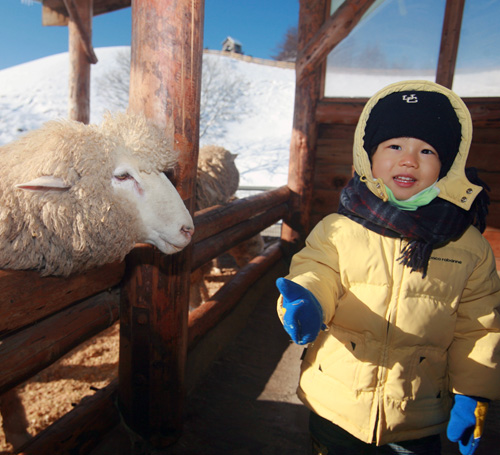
{"x": 94, "y": 364}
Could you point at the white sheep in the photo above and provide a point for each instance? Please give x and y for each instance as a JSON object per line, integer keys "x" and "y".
{"x": 217, "y": 177}
{"x": 75, "y": 196}
{"x": 217, "y": 181}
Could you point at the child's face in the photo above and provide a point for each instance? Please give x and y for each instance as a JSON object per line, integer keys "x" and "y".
{"x": 406, "y": 165}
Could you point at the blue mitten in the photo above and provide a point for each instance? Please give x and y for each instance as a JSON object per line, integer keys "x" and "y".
{"x": 303, "y": 317}
{"x": 467, "y": 422}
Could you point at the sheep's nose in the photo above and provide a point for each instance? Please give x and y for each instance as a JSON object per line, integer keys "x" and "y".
{"x": 188, "y": 231}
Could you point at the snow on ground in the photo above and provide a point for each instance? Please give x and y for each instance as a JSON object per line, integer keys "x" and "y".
{"x": 261, "y": 135}
{"x": 352, "y": 83}
{"x": 35, "y": 92}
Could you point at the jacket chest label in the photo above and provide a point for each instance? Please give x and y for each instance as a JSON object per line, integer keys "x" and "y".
{"x": 454, "y": 261}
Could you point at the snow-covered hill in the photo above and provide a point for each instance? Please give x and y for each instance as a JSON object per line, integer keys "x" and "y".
{"x": 35, "y": 92}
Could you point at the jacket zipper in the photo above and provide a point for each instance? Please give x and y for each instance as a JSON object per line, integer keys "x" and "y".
{"x": 383, "y": 367}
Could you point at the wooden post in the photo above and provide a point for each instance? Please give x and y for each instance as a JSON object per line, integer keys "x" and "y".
{"x": 165, "y": 84}
{"x": 79, "y": 74}
{"x": 303, "y": 142}
{"x": 450, "y": 38}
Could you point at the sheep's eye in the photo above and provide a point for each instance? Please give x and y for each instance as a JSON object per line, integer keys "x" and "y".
{"x": 123, "y": 177}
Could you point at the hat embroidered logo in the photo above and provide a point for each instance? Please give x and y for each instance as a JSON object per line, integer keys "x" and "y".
{"x": 410, "y": 98}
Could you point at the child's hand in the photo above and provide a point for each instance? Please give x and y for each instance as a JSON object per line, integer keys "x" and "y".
{"x": 466, "y": 422}
{"x": 303, "y": 317}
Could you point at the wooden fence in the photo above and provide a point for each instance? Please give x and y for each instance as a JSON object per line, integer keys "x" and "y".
{"x": 41, "y": 319}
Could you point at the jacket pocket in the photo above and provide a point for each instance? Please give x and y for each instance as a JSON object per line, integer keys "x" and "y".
{"x": 341, "y": 358}
{"x": 427, "y": 375}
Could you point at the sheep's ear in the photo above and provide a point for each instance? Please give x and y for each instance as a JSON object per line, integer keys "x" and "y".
{"x": 44, "y": 184}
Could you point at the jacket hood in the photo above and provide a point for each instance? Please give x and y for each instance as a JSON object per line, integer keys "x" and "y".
{"x": 454, "y": 186}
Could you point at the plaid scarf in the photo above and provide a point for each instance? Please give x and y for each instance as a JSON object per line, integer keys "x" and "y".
{"x": 430, "y": 226}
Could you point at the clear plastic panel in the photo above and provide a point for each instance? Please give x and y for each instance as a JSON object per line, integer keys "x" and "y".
{"x": 396, "y": 40}
{"x": 477, "y": 72}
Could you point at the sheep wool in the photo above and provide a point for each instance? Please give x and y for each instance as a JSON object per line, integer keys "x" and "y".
{"x": 217, "y": 177}
{"x": 81, "y": 222}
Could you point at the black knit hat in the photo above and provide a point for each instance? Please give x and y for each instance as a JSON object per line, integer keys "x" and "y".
{"x": 428, "y": 116}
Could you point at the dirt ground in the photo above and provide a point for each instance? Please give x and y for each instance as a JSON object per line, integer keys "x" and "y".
{"x": 56, "y": 390}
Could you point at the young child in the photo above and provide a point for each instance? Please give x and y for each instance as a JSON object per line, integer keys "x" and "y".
{"x": 398, "y": 292}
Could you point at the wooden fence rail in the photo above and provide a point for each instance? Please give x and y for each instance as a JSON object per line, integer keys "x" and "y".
{"x": 25, "y": 297}
{"x": 206, "y": 316}
{"x": 236, "y": 222}
{"x": 215, "y": 245}
{"x": 214, "y": 220}
{"x": 77, "y": 431}
{"x": 29, "y": 351}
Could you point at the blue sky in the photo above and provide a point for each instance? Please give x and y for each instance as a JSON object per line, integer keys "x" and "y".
{"x": 258, "y": 24}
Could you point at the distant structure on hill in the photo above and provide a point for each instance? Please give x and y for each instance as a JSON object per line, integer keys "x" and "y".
{"x": 232, "y": 45}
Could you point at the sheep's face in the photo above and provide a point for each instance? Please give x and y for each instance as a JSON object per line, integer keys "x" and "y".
{"x": 163, "y": 218}
{"x": 148, "y": 200}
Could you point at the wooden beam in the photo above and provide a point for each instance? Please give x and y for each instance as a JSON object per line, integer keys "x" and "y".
{"x": 450, "y": 39}
{"x": 165, "y": 84}
{"x": 25, "y": 297}
{"x": 485, "y": 111}
{"x": 54, "y": 12}
{"x": 332, "y": 32}
{"x": 81, "y": 429}
{"x": 79, "y": 75}
{"x": 304, "y": 134}
{"x": 84, "y": 29}
{"x": 340, "y": 110}
{"x": 217, "y": 244}
{"x": 213, "y": 220}
{"x": 27, "y": 352}
{"x": 208, "y": 315}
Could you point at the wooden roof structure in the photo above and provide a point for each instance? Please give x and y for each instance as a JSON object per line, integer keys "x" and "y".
{"x": 158, "y": 336}
{"x": 57, "y": 12}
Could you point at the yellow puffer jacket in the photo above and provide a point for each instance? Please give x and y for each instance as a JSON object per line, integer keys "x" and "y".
{"x": 398, "y": 344}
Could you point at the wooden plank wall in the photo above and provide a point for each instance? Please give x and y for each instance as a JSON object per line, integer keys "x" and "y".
{"x": 337, "y": 120}
{"x": 333, "y": 168}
